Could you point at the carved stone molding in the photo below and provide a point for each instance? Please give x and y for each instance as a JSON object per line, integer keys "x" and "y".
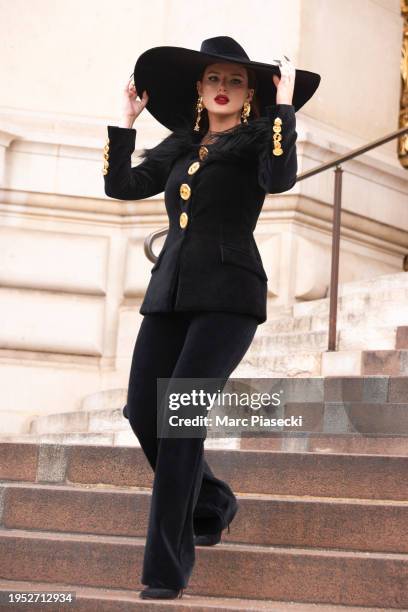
{"x": 403, "y": 117}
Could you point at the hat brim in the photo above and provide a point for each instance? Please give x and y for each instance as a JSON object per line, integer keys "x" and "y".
{"x": 169, "y": 76}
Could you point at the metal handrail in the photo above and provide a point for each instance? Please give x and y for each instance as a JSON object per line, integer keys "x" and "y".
{"x": 354, "y": 153}
{"x": 335, "y": 253}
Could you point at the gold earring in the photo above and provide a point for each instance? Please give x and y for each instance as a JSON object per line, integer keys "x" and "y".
{"x": 199, "y": 108}
{"x": 245, "y": 112}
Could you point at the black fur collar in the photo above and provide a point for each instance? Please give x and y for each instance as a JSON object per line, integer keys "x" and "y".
{"x": 241, "y": 144}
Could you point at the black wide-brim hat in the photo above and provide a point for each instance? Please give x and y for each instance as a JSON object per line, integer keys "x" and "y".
{"x": 169, "y": 76}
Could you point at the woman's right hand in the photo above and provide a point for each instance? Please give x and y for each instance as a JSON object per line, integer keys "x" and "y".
{"x": 131, "y": 108}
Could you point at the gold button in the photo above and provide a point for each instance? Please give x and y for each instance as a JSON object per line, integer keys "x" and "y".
{"x": 202, "y": 152}
{"x": 277, "y": 128}
{"x": 183, "y": 219}
{"x": 278, "y": 120}
{"x": 194, "y": 167}
{"x": 106, "y": 148}
{"x": 277, "y": 137}
{"x": 277, "y": 151}
{"x": 106, "y": 164}
{"x": 105, "y": 171}
{"x": 185, "y": 191}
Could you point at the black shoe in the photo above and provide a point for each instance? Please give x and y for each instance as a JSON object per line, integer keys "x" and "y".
{"x": 210, "y": 539}
{"x": 160, "y": 593}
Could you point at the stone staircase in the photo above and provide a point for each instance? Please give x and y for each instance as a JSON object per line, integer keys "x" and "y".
{"x": 99, "y": 421}
{"x": 372, "y": 339}
{"x": 357, "y": 414}
{"x": 315, "y": 531}
{"x": 372, "y": 334}
{"x": 323, "y": 512}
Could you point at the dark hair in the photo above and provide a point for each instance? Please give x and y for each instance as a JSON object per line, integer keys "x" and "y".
{"x": 252, "y": 84}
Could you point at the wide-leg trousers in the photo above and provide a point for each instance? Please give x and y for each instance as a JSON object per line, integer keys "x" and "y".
{"x": 187, "y": 498}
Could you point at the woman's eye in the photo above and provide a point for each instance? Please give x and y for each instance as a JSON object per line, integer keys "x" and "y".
{"x": 237, "y": 81}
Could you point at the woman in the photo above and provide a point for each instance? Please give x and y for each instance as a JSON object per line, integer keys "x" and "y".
{"x": 233, "y": 139}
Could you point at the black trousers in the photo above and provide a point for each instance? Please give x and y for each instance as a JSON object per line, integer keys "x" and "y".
{"x": 187, "y": 498}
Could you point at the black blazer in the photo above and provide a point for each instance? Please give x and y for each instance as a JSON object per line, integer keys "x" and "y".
{"x": 213, "y": 197}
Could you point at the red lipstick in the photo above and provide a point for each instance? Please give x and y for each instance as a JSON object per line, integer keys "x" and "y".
{"x": 221, "y": 99}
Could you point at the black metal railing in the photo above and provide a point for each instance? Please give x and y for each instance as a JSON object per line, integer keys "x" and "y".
{"x": 335, "y": 252}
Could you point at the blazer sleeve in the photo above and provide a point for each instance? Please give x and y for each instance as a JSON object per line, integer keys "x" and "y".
{"x": 277, "y": 163}
{"x": 122, "y": 181}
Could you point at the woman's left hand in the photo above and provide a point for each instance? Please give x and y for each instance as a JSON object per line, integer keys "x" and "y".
{"x": 286, "y": 83}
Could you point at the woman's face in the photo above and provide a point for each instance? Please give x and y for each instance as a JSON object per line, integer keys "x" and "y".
{"x": 224, "y": 88}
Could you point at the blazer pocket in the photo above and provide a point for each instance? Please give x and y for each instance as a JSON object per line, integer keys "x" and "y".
{"x": 159, "y": 258}
{"x": 238, "y": 257}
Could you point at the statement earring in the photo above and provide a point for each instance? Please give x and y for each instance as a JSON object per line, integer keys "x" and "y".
{"x": 199, "y": 108}
{"x": 245, "y": 112}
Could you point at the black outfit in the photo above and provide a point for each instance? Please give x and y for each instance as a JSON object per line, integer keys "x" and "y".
{"x": 187, "y": 497}
{"x": 212, "y": 263}
{"x": 205, "y": 299}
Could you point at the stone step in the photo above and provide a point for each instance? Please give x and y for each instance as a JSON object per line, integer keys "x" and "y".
{"x": 108, "y": 438}
{"x": 273, "y": 520}
{"x": 300, "y": 363}
{"x": 376, "y": 338}
{"x": 260, "y": 472}
{"x": 377, "y": 283}
{"x": 267, "y": 345}
{"x": 340, "y": 418}
{"x": 107, "y": 399}
{"x": 93, "y": 599}
{"x": 80, "y": 422}
{"x": 360, "y": 298}
{"x": 325, "y": 416}
{"x": 322, "y": 443}
{"x": 363, "y": 298}
{"x": 312, "y": 442}
{"x": 368, "y": 302}
{"x": 387, "y": 415}
{"x": 115, "y": 438}
{"x": 367, "y": 363}
{"x": 388, "y": 362}
{"x": 295, "y": 574}
{"x": 391, "y": 314}
{"x": 330, "y": 443}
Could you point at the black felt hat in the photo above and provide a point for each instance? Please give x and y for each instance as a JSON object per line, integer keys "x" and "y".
{"x": 169, "y": 76}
